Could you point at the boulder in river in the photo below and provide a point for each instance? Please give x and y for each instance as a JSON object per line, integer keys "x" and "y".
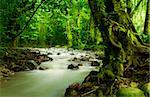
{"x": 95, "y": 63}
{"x": 92, "y": 77}
{"x": 35, "y": 51}
{"x": 43, "y": 68}
{"x": 75, "y": 59}
{"x": 4, "y": 72}
{"x": 73, "y": 67}
{"x": 31, "y": 64}
{"x": 72, "y": 90}
{"x": 43, "y": 58}
{"x": 49, "y": 53}
{"x": 80, "y": 64}
{"x": 72, "y": 54}
{"x": 85, "y": 58}
{"x": 58, "y": 53}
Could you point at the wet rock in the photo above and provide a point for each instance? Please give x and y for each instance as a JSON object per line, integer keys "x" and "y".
{"x": 58, "y": 53}
{"x": 95, "y": 63}
{"x": 31, "y": 64}
{"x": 4, "y": 72}
{"x": 146, "y": 89}
{"x": 22, "y": 65}
{"x": 73, "y": 67}
{"x": 73, "y": 90}
{"x": 71, "y": 53}
{"x": 130, "y": 92}
{"x": 84, "y": 58}
{"x": 85, "y": 87}
{"x": 43, "y": 58}
{"x": 18, "y": 68}
{"x": 50, "y": 59}
{"x": 43, "y": 68}
{"x": 49, "y": 53}
{"x": 75, "y": 59}
{"x": 80, "y": 64}
{"x": 92, "y": 77}
{"x": 23, "y": 59}
{"x": 35, "y": 51}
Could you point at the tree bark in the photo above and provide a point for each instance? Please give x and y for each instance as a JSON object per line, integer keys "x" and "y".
{"x": 147, "y": 19}
{"x": 118, "y": 33}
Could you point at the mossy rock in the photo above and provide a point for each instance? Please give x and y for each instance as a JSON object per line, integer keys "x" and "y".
{"x": 146, "y": 88}
{"x": 130, "y": 92}
{"x": 133, "y": 84}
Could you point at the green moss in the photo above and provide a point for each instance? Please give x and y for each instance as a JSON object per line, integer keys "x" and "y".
{"x": 146, "y": 88}
{"x": 109, "y": 73}
{"x": 130, "y": 92}
{"x": 133, "y": 84}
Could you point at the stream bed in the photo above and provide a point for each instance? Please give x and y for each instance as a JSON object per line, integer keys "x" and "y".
{"x": 51, "y": 82}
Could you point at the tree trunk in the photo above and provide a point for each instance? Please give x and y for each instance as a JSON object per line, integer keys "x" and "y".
{"x": 118, "y": 33}
{"x": 147, "y": 19}
{"x": 68, "y": 29}
{"x": 129, "y": 5}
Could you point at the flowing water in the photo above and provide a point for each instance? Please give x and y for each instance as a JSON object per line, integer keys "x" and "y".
{"x": 47, "y": 83}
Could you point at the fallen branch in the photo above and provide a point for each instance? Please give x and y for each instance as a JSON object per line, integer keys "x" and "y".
{"x": 95, "y": 88}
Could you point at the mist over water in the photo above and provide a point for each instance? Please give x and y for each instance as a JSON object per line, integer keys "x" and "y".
{"x": 46, "y": 83}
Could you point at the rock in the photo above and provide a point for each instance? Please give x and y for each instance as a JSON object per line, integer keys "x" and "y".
{"x": 18, "y": 68}
{"x": 92, "y": 77}
{"x": 43, "y": 68}
{"x": 80, "y": 64}
{"x": 73, "y": 67}
{"x": 35, "y": 51}
{"x": 71, "y": 53}
{"x": 4, "y": 72}
{"x": 75, "y": 59}
{"x": 146, "y": 89}
{"x": 31, "y": 64}
{"x": 43, "y": 58}
{"x": 130, "y": 92}
{"x": 84, "y": 58}
{"x": 95, "y": 63}
{"x": 49, "y": 53}
{"x": 58, "y": 53}
{"x": 86, "y": 87}
{"x": 73, "y": 90}
{"x": 50, "y": 59}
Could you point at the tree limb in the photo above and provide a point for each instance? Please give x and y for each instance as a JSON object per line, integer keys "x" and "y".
{"x": 133, "y": 12}
{"x": 13, "y": 38}
{"x": 87, "y": 93}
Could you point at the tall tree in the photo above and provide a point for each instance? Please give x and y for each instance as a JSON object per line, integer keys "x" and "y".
{"x": 147, "y": 19}
{"x": 122, "y": 43}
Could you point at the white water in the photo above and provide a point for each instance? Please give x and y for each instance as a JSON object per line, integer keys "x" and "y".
{"x": 47, "y": 83}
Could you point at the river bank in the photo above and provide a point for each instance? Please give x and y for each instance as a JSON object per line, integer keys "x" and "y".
{"x": 54, "y": 78}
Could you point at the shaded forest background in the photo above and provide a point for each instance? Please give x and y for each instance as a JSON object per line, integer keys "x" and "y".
{"x": 45, "y": 23}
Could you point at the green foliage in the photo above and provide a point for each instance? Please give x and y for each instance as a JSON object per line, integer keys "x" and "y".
{"x": 56, "y": 22}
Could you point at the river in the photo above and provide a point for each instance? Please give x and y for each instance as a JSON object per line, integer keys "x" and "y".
{"x": 51, "y": 82}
